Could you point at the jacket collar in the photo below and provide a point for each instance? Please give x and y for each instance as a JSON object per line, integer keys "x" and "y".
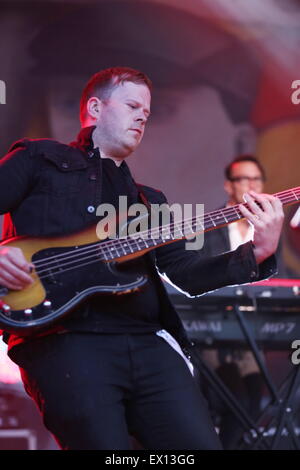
{"x": 84, "y": 142}
{"x": 84, "y": 139}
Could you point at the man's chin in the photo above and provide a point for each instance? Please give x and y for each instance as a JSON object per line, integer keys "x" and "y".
{"x": 125, "y": 151}
{"x": 129, "y": 148}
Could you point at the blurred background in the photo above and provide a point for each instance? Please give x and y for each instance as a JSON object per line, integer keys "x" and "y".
{"x": 222, "y": 72}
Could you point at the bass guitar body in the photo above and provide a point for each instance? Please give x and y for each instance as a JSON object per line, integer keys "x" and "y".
{"x": 67, "y": 271}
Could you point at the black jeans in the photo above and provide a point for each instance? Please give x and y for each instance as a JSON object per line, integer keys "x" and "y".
{"x": 94, "y": 390}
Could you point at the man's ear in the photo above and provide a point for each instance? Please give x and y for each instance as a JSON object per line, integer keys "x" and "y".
{"x": 94, "y": 108}
{"x": 228, "y": 187}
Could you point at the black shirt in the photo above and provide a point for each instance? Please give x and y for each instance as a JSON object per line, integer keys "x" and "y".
{"x": 131, "y": 313}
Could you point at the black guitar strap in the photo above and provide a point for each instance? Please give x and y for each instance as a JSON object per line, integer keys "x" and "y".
{"x": 143, "y": 196}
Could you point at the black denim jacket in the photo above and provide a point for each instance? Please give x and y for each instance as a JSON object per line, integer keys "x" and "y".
{"x": 49, "y": 188}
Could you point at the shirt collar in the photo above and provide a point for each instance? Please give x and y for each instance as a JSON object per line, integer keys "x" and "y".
{"x": 84, "y": 139}
{"x": 85, "y": 143}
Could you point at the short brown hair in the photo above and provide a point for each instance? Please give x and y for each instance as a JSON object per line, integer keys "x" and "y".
{"x": 102, "y": 83}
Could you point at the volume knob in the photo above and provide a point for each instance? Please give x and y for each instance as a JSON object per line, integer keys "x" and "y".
{"x": 5, "y": 309}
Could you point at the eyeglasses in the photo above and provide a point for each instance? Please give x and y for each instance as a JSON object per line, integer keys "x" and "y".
{"x": 247, "y": 179}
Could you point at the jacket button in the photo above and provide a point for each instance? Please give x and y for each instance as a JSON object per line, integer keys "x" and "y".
{"x": 91, "y": 209}
{"x": 93, "y": 177}
{"x": 253, "y": 274}
{"x": 90, "y": 154}
{"x": 65, "y": 165}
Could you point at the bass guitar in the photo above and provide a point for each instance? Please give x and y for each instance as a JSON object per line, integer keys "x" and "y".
{"x": 68, "y": 269}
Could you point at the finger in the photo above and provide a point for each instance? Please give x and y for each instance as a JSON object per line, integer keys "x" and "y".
{"x": 17, "y": 258}
{"x": 19, "y": 276}
{"x": 9, "y": 281}
{"x": 264, "y": 201}
{"x": 253, "y": 218}
{"x": 277, "y": 204}
{"x": 253, "y": 206}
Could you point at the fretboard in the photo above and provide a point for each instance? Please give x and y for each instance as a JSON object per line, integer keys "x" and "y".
{"x": 185, "y": 229}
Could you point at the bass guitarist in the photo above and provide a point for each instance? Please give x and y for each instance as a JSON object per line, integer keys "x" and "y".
{"x": 115, "y": 367}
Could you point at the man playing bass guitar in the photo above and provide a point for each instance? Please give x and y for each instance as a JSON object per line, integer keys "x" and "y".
{"x": 115, "y": 366}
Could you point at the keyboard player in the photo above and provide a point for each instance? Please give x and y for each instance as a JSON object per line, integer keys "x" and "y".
{"x": 238, "y": 369}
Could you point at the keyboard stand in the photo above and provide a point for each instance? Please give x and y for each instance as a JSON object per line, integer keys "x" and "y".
{"x": 228, "y": 398}
{"x": 283, "y": 405}
{"x": 282, "y": 399}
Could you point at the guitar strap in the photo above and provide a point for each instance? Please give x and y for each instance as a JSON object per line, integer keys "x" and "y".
{"x": 143, "y": 196}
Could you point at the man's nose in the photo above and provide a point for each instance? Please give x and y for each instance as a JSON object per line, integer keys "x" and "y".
{"x": 141, "y": 118}
{"x": 247, "y": 185}
{"x": 252, "y": 184}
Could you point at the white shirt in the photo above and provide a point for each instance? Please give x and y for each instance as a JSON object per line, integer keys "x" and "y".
{"x": 235, "y": 237}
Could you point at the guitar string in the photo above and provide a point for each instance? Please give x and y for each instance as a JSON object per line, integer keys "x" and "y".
{"x": 60, "y": 271}
{"x": 232, "y": 211}
{"x": 105, "y": 249}
{"x": 207, "y": 218}
{"x": 75, "y": 266}
{"x": 98, "y": 246}
{"x": 103, "y": 245}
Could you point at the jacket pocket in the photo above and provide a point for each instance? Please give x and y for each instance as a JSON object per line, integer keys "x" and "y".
{"x": 61, "y": 176}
